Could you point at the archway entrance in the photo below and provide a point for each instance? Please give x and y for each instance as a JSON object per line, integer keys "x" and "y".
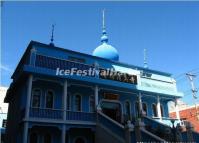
{"x": 112, "y": 109}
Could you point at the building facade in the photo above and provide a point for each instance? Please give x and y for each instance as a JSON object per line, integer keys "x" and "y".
{"x": 62, "y": 96}
{"x": 190, "y": 114}
{"x": 3, "y": 113}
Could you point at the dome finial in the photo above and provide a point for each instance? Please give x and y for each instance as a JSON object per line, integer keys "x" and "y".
{"x": 104, "y": 38}
{"x": 103, "y": 18}
{"x": 52, "y": 35}
{"x": 145, "y": 59}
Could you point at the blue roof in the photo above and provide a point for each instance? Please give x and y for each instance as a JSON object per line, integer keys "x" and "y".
{"x": 106, "y": 51}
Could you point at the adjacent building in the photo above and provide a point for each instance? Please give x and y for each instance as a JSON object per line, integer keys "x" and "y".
{"x": 190, "y": 114}
{"x": 3, "y": 113}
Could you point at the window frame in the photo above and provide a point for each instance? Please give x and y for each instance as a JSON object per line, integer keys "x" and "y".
{"x": 78, "y": 94}
{"x": 146, "y": 107}
{"x": 40, "y": 98}
{"x": 53, "y": 98}
{"x": 90, "y": 103}
{"x": 155, "y": 110}
{"x": 69, "y": 107}
{"x": 162, "y": 110}
{"x": 127, "y": 101}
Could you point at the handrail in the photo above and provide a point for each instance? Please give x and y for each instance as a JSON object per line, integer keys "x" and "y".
{"x": 153, "y": 136}
{"x": 116, "y": 123}
{"x": 53, "y": 109}
{"x": 156, "y": 121}
{"x": 111, "y": 126}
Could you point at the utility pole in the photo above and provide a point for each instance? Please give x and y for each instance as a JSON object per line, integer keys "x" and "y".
{"x": 194, "y": 91}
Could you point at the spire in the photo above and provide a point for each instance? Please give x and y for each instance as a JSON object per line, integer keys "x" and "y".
{"x": 145, "y": 59}
{"x": 104, "y": 38}
{"x": 52, "y": 36}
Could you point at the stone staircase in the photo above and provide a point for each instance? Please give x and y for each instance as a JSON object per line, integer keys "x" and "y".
{"x": 144, "y": 129}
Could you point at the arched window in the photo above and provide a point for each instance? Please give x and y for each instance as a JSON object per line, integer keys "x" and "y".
{"x": 77, "y": 102}
{"x": 36, "y": 97}
{"x": 127, "y": 108}
{"x": 144, "y": 108}
{"x": 91, "y": 103}
{"x": 79, "y": 140}
{"x": 49, "y": 99}
{"x": 47, "y": 138}
{"x": 162, "y": 110}
{"x": 154, "y": 108}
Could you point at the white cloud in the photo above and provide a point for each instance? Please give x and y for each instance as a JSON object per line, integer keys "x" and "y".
{"x": 5, "y": 68}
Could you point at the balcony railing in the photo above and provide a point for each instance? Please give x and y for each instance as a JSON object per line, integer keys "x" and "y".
{"x": 80, "y": 116}
{"x": 58, "y": 114}
{"x": 46, "y": 113}
{"x": 54, "y": 63}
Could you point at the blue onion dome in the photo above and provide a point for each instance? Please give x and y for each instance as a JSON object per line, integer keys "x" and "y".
{"x": 105, "y": 50}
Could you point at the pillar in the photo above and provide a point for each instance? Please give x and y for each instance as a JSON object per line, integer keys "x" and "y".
{"x": 64, "y": 97}
{"x": 140, "y": 104}
{"x": 96, "y": 95}
{"x": 63, "y": 134}
{"x": 128, "y": 129}
{"x": 27, "y": 110}
{"x": 177, "y": 110}
{"x": 138, "y": 126}
{"x": 158, "y": 108}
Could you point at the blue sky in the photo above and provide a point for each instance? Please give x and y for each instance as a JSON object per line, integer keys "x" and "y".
{"x": 168, "y": 30}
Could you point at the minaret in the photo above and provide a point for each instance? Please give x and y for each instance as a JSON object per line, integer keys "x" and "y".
{"x": 105, "y": 50}
{"x": 104, "y": 37}
{"x": 52, "y": 36}
{"x": 145, "y": 59}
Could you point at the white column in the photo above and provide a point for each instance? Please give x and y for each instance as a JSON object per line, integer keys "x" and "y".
{"x": 29, "y": 91}
{"x": 158, "y": 108}
{"x": 96, "y": 95}
{"x": 64, "y": 97}
{"x": 25, "y": 132}
{"x": 27, "y": 110}
{"x": 63, "y": 135}
{"x": 140, "y": 103}
{"x": 177, "y": 110}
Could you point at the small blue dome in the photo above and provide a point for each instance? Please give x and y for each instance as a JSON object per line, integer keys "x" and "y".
{"x": 106, "y": 51}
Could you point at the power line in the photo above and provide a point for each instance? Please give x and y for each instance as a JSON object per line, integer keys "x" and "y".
{"x": 195, "y": 70}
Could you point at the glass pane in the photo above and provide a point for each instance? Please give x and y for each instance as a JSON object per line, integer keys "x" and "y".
{"x": 92, "y": 103}
{"x": 49, "y": 99}
{"x": 144, "y": 107}
{"x": 154, "y": 110}
{"x": 77, "y": 103}
{"x": 162, "y": 113}
{"x": 36, "y": 98}
{"x": 68, "y": 102}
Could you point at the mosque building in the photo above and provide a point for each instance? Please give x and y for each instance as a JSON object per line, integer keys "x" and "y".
{"x": 63, "y": 96}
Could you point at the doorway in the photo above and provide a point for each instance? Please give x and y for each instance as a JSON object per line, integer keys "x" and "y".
{"x": 112, "y": 109}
